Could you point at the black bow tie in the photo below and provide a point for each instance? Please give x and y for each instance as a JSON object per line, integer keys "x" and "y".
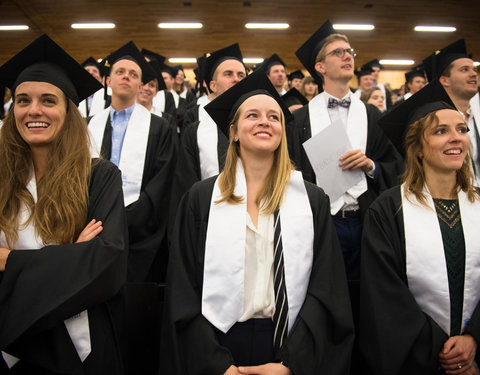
{"x": 332, "y": 103}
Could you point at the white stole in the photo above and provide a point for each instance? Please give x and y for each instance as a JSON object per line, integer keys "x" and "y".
{"x": 475, "y": 107}
{"x": 425, "y": 258}
{"x": 203, "y": 100}
{"x": 77, "y": 326}
{"x": 223, "y": 274}
{"x": 159, "y": 101}
{"x": 207, "y": 141}
{"x": 132, "y": 157}
{"x": 97, "y": 105}
{"x": 176, "y": 98}
{"x": 357, "y": 129}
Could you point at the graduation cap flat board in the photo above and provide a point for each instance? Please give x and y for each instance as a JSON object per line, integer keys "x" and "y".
{"x": 396, "y": 122}
{"x": 308, "y": 51}
{"x": 130, "y": 51}
{"x": 222, "y": 108}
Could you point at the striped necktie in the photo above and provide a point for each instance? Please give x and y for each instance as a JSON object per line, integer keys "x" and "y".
{"x": 280, "y": 317}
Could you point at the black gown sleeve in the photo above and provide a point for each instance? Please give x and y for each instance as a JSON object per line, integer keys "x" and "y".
{"x": 193, "y": 342}
{"x": 321, "y": 338}
{"x": 41, "y": 288}
{"x": 396, "y": 336}
{"x": 148, "y": 216}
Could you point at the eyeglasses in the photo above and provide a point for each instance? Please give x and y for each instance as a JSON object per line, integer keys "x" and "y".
{"x": 340, "y": 52}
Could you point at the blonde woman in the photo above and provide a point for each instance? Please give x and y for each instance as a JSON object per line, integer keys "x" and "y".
{"x": 242, "y": 298}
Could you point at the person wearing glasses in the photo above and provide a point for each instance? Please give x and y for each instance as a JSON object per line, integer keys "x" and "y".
{"x": 329, "y": 55}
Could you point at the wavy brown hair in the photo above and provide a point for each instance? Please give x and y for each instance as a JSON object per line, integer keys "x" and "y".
{"x": 60, "y": 213}
{"x": 414, "y": 175}
{"x": 270, "y": 196}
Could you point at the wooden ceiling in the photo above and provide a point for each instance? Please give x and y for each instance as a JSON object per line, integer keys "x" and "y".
{"x": 224, "y": 22}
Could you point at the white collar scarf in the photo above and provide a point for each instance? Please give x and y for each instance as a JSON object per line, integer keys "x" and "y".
{"x": 134, "y": 149}
{"x": 425, "y": 258}
{"x": 223, "y": 276}
{"x": 357, "y": 129}
{"x": 77, "y": 326}
{"x": 207, "y": 141}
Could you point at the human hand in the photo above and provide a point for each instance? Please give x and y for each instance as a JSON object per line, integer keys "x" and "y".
{"x": 92, "y": 230}
{"x": 232, "y": 370}
{"x": 266, "y": 369}
{"x": 3, "y": 258}
{"x": 355, "y": 159}
{"x": 458, "y": 354}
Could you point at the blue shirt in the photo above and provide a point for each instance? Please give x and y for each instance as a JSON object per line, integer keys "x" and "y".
{"x": 119, "y": 121}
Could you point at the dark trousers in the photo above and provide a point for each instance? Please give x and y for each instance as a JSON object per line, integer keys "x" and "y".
{"x": 250, "y": 342}
{"x": 349, "y": 232}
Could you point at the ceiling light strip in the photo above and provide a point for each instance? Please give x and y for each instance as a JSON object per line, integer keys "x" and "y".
{"x": 438, "y": 29}
{"x": 339, "y": 26}
{"x": 396, "y": 62}
{"x": 180, "y": 25}
{"x": 13, "y": 27}
{"x": 270, "y": 26}
{"x": 93, "y": 25}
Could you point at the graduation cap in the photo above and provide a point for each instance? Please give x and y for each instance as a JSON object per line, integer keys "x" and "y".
{"x": 363, "y": 72}
{"x": 130, "y": 52}
{"x": 157, "y": 68}
{"x": 153, "y": 55}
{"x": 308, "y": 51}
{"x": 436, "y": 63}
{"x": 417, "y": 71}
{"x": 372, "y": 64}
{"x": 177, "y": 68}
{"x": 223, "y": 108}
{"x": 169, "y": 69}
{"x": 297, "y": 74}
{"x": 272, "y": 61}
{"x": 214, "y": 59}
{"x": 43, "y": 60}
{"x": 200, "y": 73}
{"x": 294, "y": 97}
{"x": 92, "y": 62}
{"x": 396, "y": 122}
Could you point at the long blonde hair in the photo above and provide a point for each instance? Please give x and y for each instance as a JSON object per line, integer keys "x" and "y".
{"x": 60, "y": 213}
{"x": 414, "y": 174}
{"x": 271, "y": 195}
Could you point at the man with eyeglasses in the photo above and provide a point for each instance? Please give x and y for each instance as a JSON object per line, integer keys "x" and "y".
{"x": 454, "y": 69}
{"x": 329, "y": 57}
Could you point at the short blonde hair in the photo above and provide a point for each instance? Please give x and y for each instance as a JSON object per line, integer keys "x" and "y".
{"x": 328, "y": 40}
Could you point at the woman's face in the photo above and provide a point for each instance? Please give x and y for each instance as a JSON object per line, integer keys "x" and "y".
{"x": 377, "y": 99}
{"x": 445, "y": 146}
{"x": 259, "y": 129}
{"x": 310, "y": 88}
{"x": 40, "y": 109}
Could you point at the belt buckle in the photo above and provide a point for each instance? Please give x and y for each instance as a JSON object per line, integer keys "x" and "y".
{"x": 343, "y": 213}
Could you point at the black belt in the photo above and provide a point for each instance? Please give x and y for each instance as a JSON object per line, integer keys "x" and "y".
{"x": 347, "y": 214}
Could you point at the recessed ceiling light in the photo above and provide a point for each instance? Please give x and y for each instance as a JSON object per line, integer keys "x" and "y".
{"x": 339, "y": 26}
{"x": 397, "y": 62}
{"x": 93, "y": 25}
{"x": 13, "y": 27}
{"x": 180, "y": 25}
{"x": 274, "y": 26}
{"x": 182, "y": 60}
{"x": 252, "y": 60}
{"x": 439, "y": 29}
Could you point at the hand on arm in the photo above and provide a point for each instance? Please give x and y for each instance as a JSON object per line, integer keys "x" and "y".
{"x": 266, "y": 369}
{"x": 91, "y": 231}
{"x": 458, "y": 354}
{"x": 3, "y": 258}
{"x": 232, "y": 370}
{"x": 355, "y": 159}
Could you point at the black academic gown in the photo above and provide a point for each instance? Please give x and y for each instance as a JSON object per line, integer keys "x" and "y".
{"x": 321, "y": 339}
{"x": 41, "y": 288}
{"x": 147, "y": 217}
{"x": 378, "y": 148}
{"x": 396, "y": 336}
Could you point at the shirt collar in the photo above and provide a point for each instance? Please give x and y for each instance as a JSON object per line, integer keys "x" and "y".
{"x": 127, "y": 112}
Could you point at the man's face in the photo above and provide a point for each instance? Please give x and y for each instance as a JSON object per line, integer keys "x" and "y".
{"x": 169, "y": 80}
{"x": 376, "y": 72}
{"x": 336, "y": 68}
{"x": 147, "y": 92}
{"x": 416, "y": 85}
{"x": 463, "y": 79}
{"x": 125, "y": 79}
{"x": 93, "y": 70}
{"x": 365, "y": 82}
{"x": 277, "y": 76}
{"x": 297, "y": 83}
{"x": 227, "y": 74}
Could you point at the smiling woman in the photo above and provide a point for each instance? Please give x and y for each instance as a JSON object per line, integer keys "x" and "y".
{"x": 421, "y": 248}
{"x": 57, "y": 310}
